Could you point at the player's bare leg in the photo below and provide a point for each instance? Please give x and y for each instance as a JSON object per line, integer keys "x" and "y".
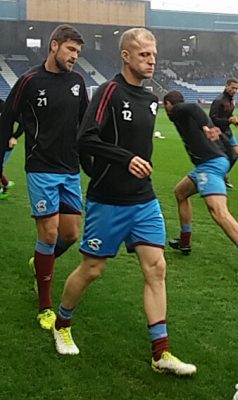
{"x": 183, "y": 190}
{"x": 78, "y": 281}
{"x": 217, "y": 206}
{"x": 154, "y": 269}
{"x": 68, "y": 232}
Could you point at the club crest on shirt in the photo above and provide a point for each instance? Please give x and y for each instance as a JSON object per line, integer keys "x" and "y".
{"x": 126, "y": 104}
{"x": 153, "y": 107}
{"x": 41, "y": 206}
{"x": 94, "y": 244}
{"x": 75, "y": 90}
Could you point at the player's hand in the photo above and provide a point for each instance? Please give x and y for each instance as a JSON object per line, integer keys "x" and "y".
{"x": 12, "y": 142}
{"x": 236, "y": 121}
{"x": 233, "y": 120}
{"x": 139, "y": 167}
{"x": 212, "y": 133}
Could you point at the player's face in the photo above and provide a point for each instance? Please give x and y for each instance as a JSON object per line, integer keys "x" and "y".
{"x": 168, "y": 107}
{"x": 66, "y": 55}
{"x": 141, "y": 59}
{"x": 232, "y": 88}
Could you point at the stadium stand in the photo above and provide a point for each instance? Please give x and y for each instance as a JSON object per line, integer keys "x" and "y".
{"x": 198, "y": 82}
{"x": 89, "y": 81}
{"x": 91, "y": 74}
{"x": 110, "y": 64}
{"x": 4, "y": 88}
{"x": 194, "y": 93}
{"x": 17, "y": 63}
{"x": 168, "y": 76}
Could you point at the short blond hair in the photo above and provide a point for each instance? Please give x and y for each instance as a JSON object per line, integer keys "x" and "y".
{"x": 134, "y": 35}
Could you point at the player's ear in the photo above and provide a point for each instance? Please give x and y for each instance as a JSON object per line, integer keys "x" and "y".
{"x": 125, "y": 56}
{"x": 54, "y": 46}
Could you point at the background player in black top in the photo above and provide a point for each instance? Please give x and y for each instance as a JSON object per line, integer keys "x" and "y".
{"x": 52, "y": 100}
{"x": 221, "y": 113}
{"x": 121, "y": 206}
{"x": 6, "y": 183}
{"x": 211, "y": 153}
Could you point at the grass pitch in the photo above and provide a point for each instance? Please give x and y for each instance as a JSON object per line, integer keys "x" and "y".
{"x": 109, "y": 325}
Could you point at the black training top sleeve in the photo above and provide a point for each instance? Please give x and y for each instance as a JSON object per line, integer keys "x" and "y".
{"x": 11, "y": 111}
{"x": 95, "y": 119}
{"x": 189, "y": 119}
{"x": 20, "y": 129}
{"x": 216, "y": 114}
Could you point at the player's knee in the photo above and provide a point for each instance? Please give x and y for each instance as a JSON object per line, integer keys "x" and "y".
{"x": 179, "y": 194}
{"x": 161, "y": 268}
{"x": 157, "y": 270}
{"x": 217, "y": 213}
{"x": 71, "y": 237}
{"x": 94, "y": 268}
{"x": 50, "y": 235}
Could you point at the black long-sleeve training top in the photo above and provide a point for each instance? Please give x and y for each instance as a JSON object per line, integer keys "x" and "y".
{"x": 221, "y": 110}
{"x": 52, "y": 106}
{"x": 189, "y": 119}
{"x": 19, "y": 131}
{"x": 118, "y": 125}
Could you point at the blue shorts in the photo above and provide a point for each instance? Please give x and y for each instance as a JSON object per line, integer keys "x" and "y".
{"x": 6, "y": 157}
{"x": 233, "y": 140}
{"x": 54, "y": 193}
{"x": 107, "y": 226}
{"x": 209, "y": 176}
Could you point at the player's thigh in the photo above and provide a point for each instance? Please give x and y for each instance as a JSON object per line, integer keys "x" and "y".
{"x": 69, "y": 226}
{"x": 71, "y": 195}
{"x": 152, "y": 261}
{"x": 47, "y": 228}
{"x": 186, "y": 187}
{"x": 217, "y": 206}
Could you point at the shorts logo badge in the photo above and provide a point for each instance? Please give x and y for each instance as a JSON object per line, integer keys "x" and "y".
{"x": 41, "y": 206}
{"x": 202, "y": 179}
{"x": 94, "y": 244}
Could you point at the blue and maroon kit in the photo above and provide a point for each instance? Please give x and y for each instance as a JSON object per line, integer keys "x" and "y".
{"x": 117, "y": 126}
{"x": 52, "y": 106}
